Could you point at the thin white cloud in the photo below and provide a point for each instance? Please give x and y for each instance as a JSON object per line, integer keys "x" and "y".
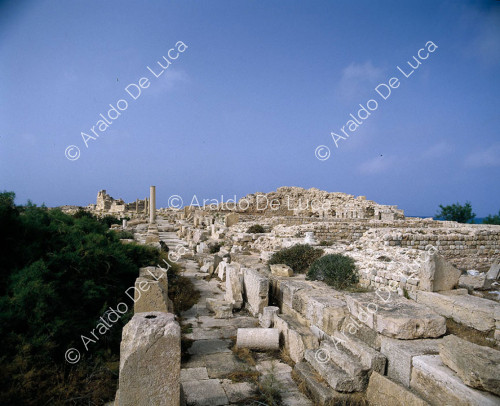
{"x": 358, "y": 79}
{"x": 484, "y": 158}
{"x": 168, "y": 80}
{"x": 376, "y": 165}
{"x": 438, "y": 150}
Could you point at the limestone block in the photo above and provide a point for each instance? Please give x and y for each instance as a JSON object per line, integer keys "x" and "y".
{"x": 221, "y": 308}
{"x": 296, "y": 338}
{"x": 288, "y": 289}
{"x": 321, "y": 309}
{"x": 266, "y": 320}
{"x": 256, "y": 288}
{"x": 469, "y": 310}
{"x": 494, "y": 272}
{"x": 234, "y": 286}
{"x": 204, "y": 393}
{"x": 150, "y": 296}
{"x": 399, "y": 354}
{"x": 281, "y": 270}
{"x": 221, "y": 270}
{"x": 150, "y": 361}
{"x": 258, "y": 338}
{"x": 437, "y": 274}
{"x": 477, "y": 366}
{"x": 382, "y": 391}
{"x": 439, "y": 385}
{"x": 395, "y": 316}
{"x": 232, "y": 219}
{"x": 478, "y": 282}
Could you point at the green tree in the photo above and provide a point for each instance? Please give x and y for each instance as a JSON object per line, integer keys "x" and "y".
{"x": 492, "y": 219}
{"x": 456, "y": 212}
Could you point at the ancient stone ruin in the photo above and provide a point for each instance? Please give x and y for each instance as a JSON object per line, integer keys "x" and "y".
{"x": 421, "y": 328}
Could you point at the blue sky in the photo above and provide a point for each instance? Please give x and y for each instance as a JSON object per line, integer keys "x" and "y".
{"x": 243, "y": 108}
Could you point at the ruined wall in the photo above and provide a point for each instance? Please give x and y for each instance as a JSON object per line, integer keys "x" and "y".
{"x": 466, "y": 246}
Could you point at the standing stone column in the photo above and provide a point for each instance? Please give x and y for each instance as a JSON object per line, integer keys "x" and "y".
{"x": 146, "y": 205}
{"x": 152, "y": 204}
{"x": 137, "y": 206}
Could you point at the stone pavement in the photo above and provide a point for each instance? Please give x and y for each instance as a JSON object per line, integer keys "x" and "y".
{"x": 212, "y": 374}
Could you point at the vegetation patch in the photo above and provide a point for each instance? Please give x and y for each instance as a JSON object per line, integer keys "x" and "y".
{"x": 299, "y": 257}
{"x": 256, "y": 229}
{"x": 336, "y": 270}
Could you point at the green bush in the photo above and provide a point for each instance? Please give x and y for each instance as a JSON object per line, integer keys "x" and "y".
{"x": 325, "y": 243}
{"x": 256, "y": 229}
{"x": 127, "y": 235}
{"x": 60, "y": 273}
{"x": 299, "y": 257}
{"x": 214, "y": 248}
{"x": 336, "y": 270}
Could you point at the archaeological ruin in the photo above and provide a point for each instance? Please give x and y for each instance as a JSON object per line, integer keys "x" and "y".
{"x": 421, "y": 326}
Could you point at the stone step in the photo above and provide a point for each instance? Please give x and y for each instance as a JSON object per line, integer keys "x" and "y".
{"x": 370, "y": 358}
{"x": 337, "y": 378}
{"x": 343, "y": 358}
{"x": 318, "y": 390}
{"x": 394, "y": 316}
{"x": 439, "y": 385}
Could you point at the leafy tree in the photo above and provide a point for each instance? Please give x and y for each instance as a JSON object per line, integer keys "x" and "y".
{"x": 456, "y": 212}
{"x": 492, "y": 219}
{"x": 58, "y": 275}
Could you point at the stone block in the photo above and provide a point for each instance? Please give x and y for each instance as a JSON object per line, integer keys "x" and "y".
{"x": 382, "y": 391}
{"x": 204, "y": 393}
{"x": 438, "y": 274}
{"x": 477, "y": 366}
{"x": 150, "y": 361}
{"x": 281, "y": 270}
{"x": 296, "y": 338}
{"x": 266, "y": 320}
{"x": 258, "y": 338}
{"x": 399, "y": 354}
{"x": 469, "y": 310}
{"x": 494, "y": 272}
{"x": 321, "y": 393}
{"x": 232, "y": 219}
{"x": 439, "y": 385}
{"x": 478, "y": 282}
{"x": 234, "y": 286}
{"x": 395, "y": 316}
{"x": 150, "y": 296}
{"x": 321, "y": 309}
{"x": 256, "y": 290}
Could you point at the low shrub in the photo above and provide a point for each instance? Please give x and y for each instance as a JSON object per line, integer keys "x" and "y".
{"x": 299, "y": 257}
{"x": 214, "y": 248}
{"x": 336, "y": 270}
{"x": 125, "y": 235}
{"x": 325, "y": 243}
{"x": 256, "y": 229}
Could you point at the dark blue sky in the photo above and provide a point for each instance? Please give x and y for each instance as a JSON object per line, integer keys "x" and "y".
{"x": 260, "y": 86}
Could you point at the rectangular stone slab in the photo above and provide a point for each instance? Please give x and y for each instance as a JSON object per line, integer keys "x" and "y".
{"x": 395, "y": 316}
{"x": 400, "y": 353}
{"x": 439, "y": 385}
